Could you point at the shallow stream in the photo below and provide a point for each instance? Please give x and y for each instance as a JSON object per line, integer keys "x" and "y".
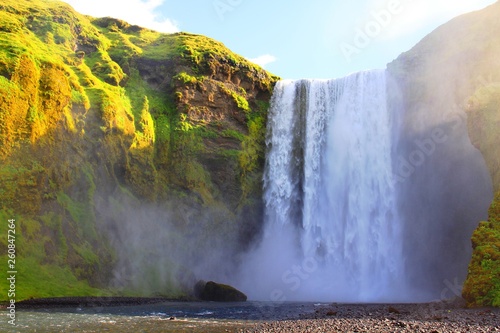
{"x": 162, "y": 317}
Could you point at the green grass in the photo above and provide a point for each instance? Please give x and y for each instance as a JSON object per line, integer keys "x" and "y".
{"x": 185, "y": 78}
{"x": 241, "y": 101}
{"x": 136, "y": 90}
{"x": 482, "y": 287}
{"x": 82, "y": 213}
{"x": 35, "y": 278}
{"x": 230, "y": 133}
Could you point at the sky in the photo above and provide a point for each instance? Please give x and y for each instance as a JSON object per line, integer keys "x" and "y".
{"x": 296, "y": 39}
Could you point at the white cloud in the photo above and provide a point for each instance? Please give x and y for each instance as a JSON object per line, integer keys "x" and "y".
{"x": 143, "y": 13}
{"x": 263, "y": 60}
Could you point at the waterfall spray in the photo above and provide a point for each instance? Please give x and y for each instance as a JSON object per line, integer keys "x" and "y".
{"x": 342, "y": 223}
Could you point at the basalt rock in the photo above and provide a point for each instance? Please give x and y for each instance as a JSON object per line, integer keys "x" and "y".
{"x": 217, "y": 292}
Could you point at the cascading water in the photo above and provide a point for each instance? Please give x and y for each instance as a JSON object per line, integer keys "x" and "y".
{"x": 329, "y": 173}
{"x": 335, "y": 228}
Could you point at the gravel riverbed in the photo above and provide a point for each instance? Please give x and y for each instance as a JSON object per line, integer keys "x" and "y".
{"x": 430, "y": 317}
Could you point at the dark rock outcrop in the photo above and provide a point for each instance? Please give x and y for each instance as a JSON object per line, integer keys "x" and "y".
{"x": 217, "y": 292}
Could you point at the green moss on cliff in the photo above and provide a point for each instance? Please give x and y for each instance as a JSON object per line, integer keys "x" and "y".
{"x": 252, "y": 156}
{"x": 94, "y": 108}
{"x": 185, "y": 78}
{"x": 40, "y": 259}
{"x": 482, "y": 287}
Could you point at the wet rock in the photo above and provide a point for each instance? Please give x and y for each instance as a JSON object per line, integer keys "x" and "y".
{"x": 217, "y": 292}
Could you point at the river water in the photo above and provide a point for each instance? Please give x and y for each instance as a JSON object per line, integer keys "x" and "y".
{"x": 189, "y": 317}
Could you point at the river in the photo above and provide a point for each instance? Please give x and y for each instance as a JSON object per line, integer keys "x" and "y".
{"x": 162, "y": 317}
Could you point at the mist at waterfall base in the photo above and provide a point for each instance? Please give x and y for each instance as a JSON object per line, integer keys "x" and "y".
{"x": 357, "y": 207}
{"x": 164, "y": 249}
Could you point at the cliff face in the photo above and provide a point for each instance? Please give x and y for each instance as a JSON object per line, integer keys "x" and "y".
{"x": 456, "y": 68}
{"x": 454, "y": 74}
{"x": 110, "y": 132}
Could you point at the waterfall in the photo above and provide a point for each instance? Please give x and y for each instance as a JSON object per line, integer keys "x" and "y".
{"x": 329, "y": 174}
{"x": 345, "y": 220}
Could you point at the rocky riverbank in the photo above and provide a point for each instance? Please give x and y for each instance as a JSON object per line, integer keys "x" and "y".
{"x": 437, "y": 317}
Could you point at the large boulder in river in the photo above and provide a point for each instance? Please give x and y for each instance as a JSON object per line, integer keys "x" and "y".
{"x": 217, "y": 292}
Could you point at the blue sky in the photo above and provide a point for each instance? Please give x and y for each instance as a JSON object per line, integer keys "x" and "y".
{"x": 296, "y": 39}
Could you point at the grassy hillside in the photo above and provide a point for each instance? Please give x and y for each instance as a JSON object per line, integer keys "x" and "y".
{"x": 100, "y": 119}
{"x": 482, "y": 287}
